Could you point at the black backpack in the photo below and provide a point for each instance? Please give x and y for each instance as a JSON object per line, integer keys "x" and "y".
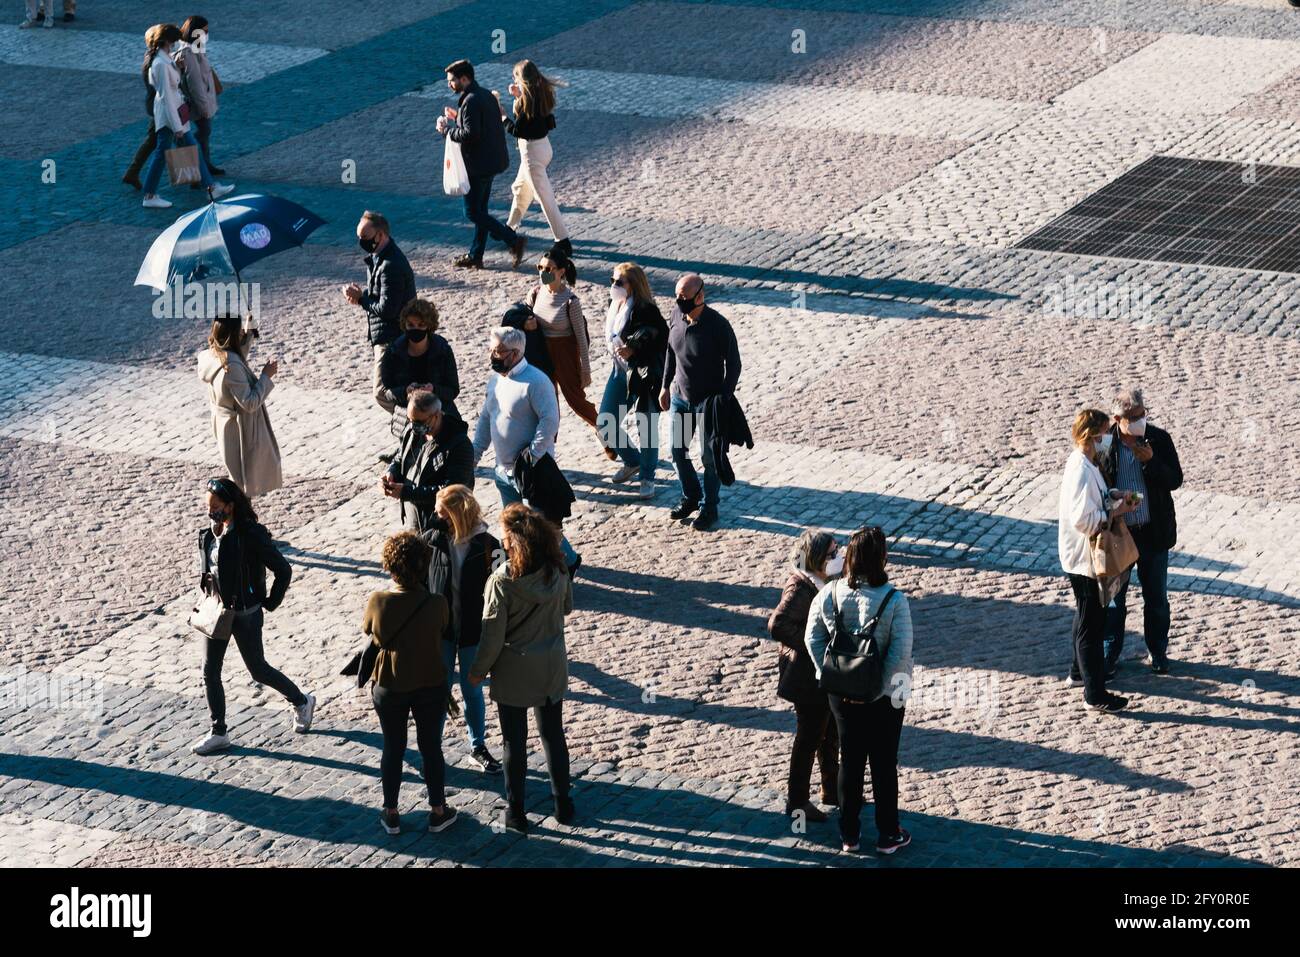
{"x": 854, "y": 666}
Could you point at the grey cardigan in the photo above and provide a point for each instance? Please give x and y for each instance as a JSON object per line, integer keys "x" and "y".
{"x": 857, "y": 607}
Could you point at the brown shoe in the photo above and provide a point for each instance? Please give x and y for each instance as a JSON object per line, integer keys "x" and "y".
{"x": 467, "y": 262}
{"x": 517, "y": 250}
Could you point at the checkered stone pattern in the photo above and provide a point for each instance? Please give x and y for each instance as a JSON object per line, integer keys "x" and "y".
{"x": 852, "y": 185}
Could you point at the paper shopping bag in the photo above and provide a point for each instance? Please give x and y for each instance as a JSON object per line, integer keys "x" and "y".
{"x": 183, "y": 165}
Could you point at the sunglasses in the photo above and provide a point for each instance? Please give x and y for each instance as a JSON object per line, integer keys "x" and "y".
{"x": 618, "y": 282}
{"x": 219, "y": 487}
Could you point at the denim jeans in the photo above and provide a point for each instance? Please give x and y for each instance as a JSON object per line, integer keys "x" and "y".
{"x": 395, "y": 709}
{"x": 509, "y": 495}
{"x": 165, "y": 139}
{"x": 613, "y": 410}
{"x": 472, "y": 694}
{"x": 686, "y": 419}
{"x": 476, "y": 211}
{"x": 1153, "y": 576}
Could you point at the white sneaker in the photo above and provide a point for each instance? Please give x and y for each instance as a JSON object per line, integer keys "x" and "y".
{"x": 211, "y": 744}
{"x": 27, "y": 24}
{"x": 49, "y": 23}
{"x": 156, "y": 202}
{"x": 302, "y": 715}
{"x": 647, "y": 489}
{"x": 625, "y": 473}
{"x": 1073, "y": 682}
{"x": 222, "y": 189}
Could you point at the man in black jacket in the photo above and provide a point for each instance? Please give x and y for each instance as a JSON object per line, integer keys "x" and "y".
{"x": 1143, "y": 459}
{"x": 702, "y": 361}
{"x": 435, "y": 452}
{"x": 478, "y": 129}
{"x": 390, "y": 285}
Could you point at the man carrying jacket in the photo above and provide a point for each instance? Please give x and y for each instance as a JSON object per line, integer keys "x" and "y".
{"x": 476, "y": 126}
{"x": 1143, "y": 459}
{"x": 435, "y": 452}
{"x": 390, "y": 285}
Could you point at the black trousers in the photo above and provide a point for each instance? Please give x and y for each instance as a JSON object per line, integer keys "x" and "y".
{"x": 395, "y": 709}
{"x": 1089, "y": 635}
{"x": 247, "y": 633}
{"x": 514, "y": 733}
{"x": 202, "y": 133}
{"x": 869, "y": 733}
{"x": 143, "y": 153}
{"x": 815, "y": 736}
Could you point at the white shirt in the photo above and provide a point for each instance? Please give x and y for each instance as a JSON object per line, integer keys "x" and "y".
{"x": 615, "y": 320}
{"x": 1080, "y": 513}
{"x": 166, "y": 82}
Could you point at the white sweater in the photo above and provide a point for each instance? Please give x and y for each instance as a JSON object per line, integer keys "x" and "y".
{"x": 166, "y": 81}
{"x": 1081, "y": 511}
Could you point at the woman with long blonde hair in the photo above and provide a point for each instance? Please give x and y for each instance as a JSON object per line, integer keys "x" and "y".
{"x": 636, "y": 336}
{"x": 533, "y": 119}
{"x": 464, "y": 554}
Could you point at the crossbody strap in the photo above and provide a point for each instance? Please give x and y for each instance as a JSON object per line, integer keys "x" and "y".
{"x": 411, "y": 617}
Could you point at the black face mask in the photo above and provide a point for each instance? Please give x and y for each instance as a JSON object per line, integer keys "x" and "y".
{"x": 416, "y": 335}
{"x": 686, "y": 305}
{"x": 217, "y": 518}
{"x": 367, "y": 244}
{"x": 498, "y": 365}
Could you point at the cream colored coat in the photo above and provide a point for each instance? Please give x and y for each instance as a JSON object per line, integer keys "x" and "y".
{"x": 241, "y": 424}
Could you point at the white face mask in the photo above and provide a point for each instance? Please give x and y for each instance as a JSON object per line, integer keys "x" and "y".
{"x": 1137, "y": 428}
{"x": 1103, "y": 444}
{"x": 618, "y": 293}
{"x": 835, "y": 566}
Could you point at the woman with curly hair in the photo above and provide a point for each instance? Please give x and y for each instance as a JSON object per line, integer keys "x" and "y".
{"x": 521, "y": 645}
{"x": 406, "y": 623}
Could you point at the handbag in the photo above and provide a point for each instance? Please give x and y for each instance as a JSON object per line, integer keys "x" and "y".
{"x": 854, "y": 666}
{"x": 1113, "y": 552}
{"x": 183, "y": 165}
{"x": 211, "y": 618}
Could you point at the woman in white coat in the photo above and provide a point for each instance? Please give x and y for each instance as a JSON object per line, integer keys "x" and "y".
{"x": 1085, "y": 503}
{"x": 239, "y": 418}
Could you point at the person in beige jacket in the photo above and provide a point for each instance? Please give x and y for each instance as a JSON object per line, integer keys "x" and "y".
{"x": 521, "y": 645}
{"x": 238, "y": 398}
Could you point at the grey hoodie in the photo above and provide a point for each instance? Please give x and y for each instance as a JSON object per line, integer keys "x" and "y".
{"x": 522, "y": 642}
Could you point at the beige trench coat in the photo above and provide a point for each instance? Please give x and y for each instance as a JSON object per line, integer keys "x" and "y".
{"x": 241, "y": 424}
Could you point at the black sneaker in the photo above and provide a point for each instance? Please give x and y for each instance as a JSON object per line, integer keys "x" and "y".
{"x": 467, "y": 262}
{"x": 1160, "y": 667}
{"x": 564, "y": 810}
{"x": 705, "y": 520}
{"x": 516, "y": 821}
{"x": 888, "y": 845}
{"x": 489, "y": 764}
{"x": 683, "y": 509}
{"x": 69, "y": 17}
{"x": 390, "y": 821}
{"x": 440, "y": 822}
{"x": 1110, "y": 704}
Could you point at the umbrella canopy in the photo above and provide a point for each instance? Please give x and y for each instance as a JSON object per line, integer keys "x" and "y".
{"x": 223, "y": 237}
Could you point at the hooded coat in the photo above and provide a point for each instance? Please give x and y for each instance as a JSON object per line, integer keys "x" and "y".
{"x": 240, "y": 422}
{"x": 521, "y": 644}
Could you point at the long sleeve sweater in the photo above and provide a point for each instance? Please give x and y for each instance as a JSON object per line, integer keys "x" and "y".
{"x": 857, "y": 607}
{"x": 520, "y": 412}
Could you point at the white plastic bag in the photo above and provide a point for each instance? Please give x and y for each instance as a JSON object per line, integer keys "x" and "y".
{"x": 455, "y": 177}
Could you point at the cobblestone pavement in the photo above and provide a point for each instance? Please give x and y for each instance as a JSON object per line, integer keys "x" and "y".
{"x": 851, "y": 178}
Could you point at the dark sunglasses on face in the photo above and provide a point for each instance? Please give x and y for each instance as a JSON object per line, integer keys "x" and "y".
{"x": 617, "y": 282}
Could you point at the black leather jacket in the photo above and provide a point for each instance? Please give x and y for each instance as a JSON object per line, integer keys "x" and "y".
{"x": 246, "y": 553}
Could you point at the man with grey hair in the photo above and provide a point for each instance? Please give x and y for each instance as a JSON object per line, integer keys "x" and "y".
{"x": 520, "y": 413}
{"x": 1143, "y": 459}
{"x": 435, "y": 452}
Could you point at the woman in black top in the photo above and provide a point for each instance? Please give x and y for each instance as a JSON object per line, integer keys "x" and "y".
{"x": 635, "y": 336}
{"x": 234, "y": 554}
{"x": 465, "y": 553}
{"x": 418, "y": 360}
{"x": 533, "y": 119}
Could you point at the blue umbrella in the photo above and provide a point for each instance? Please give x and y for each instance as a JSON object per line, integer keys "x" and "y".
{"x": 223, "y": 237}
